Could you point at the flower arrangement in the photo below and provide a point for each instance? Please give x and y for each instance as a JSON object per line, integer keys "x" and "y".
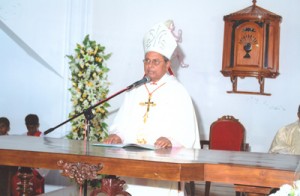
{"x": 288, "y": 190}
{"x": 89, "y": 86}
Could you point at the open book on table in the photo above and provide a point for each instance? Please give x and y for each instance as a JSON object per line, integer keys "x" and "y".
{"x": 131, "y": 145}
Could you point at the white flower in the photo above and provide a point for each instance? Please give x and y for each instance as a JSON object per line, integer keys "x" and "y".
{"x": 288, "y": 190}
{"x": 89, "y": 50}
{"x": 297, "y": 184}
{"x": 85, "y": 103}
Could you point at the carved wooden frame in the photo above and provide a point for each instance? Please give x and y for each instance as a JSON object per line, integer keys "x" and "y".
{"x": 84, "y": 171}
{"x": 251, "y": 46}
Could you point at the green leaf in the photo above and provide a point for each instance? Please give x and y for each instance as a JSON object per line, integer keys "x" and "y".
{"x": 86, "y": 40}
{"x": 106, "y": 57}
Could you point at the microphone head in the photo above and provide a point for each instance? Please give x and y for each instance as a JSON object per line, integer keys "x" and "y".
{"x": 147, "y": 79}
{"x": 144, "y": 80}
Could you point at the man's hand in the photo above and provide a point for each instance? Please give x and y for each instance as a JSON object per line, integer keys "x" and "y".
{"x": 163, "y": 142}
{"x": 113, "y": 139}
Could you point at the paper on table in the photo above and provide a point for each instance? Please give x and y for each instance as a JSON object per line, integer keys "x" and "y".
{"x": 131, "y": 145}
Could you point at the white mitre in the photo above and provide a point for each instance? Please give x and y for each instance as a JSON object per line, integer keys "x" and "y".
{"x": 160, "y": 39}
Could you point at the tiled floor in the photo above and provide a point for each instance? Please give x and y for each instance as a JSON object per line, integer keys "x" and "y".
{"x": 51, "y": 188}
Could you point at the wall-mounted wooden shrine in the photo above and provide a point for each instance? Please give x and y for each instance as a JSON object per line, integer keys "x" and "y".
{"x": 251, "y": 46}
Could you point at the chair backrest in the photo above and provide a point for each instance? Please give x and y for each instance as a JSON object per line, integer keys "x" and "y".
{"x": 227, "y": 133}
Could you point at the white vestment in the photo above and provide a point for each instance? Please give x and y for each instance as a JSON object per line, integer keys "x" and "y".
{"x": 171, "y": 114}
{"x": 287, "y": 140}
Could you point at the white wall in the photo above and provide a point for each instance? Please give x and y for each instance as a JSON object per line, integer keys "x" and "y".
{"x": 37, "y": 81}
{"x": 35, "y": 38}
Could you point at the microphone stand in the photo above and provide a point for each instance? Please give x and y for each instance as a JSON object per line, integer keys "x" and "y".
{"x": 89, "y": 116}
{"x": 87, "y": 112}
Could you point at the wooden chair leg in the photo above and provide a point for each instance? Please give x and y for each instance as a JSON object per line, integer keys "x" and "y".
{"x": 207, "y": 188}
{"x": 238, "y": 193}
{"x": 192, "y": 188}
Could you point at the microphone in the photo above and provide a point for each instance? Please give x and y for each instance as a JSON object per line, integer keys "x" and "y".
{"x": 144, "y": 80}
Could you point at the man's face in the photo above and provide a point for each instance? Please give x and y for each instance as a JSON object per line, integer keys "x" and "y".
{"x": 155, "y": 66}
{"x": 3, "y": 129}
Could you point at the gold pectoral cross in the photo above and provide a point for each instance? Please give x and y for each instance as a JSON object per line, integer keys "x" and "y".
{"x": 148, "y": 103}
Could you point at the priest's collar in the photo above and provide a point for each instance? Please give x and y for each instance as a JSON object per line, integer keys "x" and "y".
{"x": 164, "y": 79}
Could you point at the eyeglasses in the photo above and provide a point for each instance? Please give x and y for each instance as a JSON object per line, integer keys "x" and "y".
{"x": 153, "y": 61}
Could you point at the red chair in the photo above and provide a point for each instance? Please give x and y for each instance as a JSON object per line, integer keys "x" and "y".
{"x": 227, "y": 133}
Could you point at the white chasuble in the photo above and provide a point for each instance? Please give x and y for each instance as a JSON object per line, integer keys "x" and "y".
{"x": 169, "y": 113}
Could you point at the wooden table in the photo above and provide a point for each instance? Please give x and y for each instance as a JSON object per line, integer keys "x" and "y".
{"x": 243, "y": 168}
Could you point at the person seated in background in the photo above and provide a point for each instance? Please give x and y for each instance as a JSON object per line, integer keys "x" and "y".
{"x": 286, "y": 140}
{"x": 38, "y": 181}
{"x": 6, "y": 172}
{"x": 4, "y": 126}
{"x": 32, "y": 125}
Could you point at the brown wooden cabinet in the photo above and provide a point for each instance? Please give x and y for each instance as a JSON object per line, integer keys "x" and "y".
{"x": 251, "y": 46}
